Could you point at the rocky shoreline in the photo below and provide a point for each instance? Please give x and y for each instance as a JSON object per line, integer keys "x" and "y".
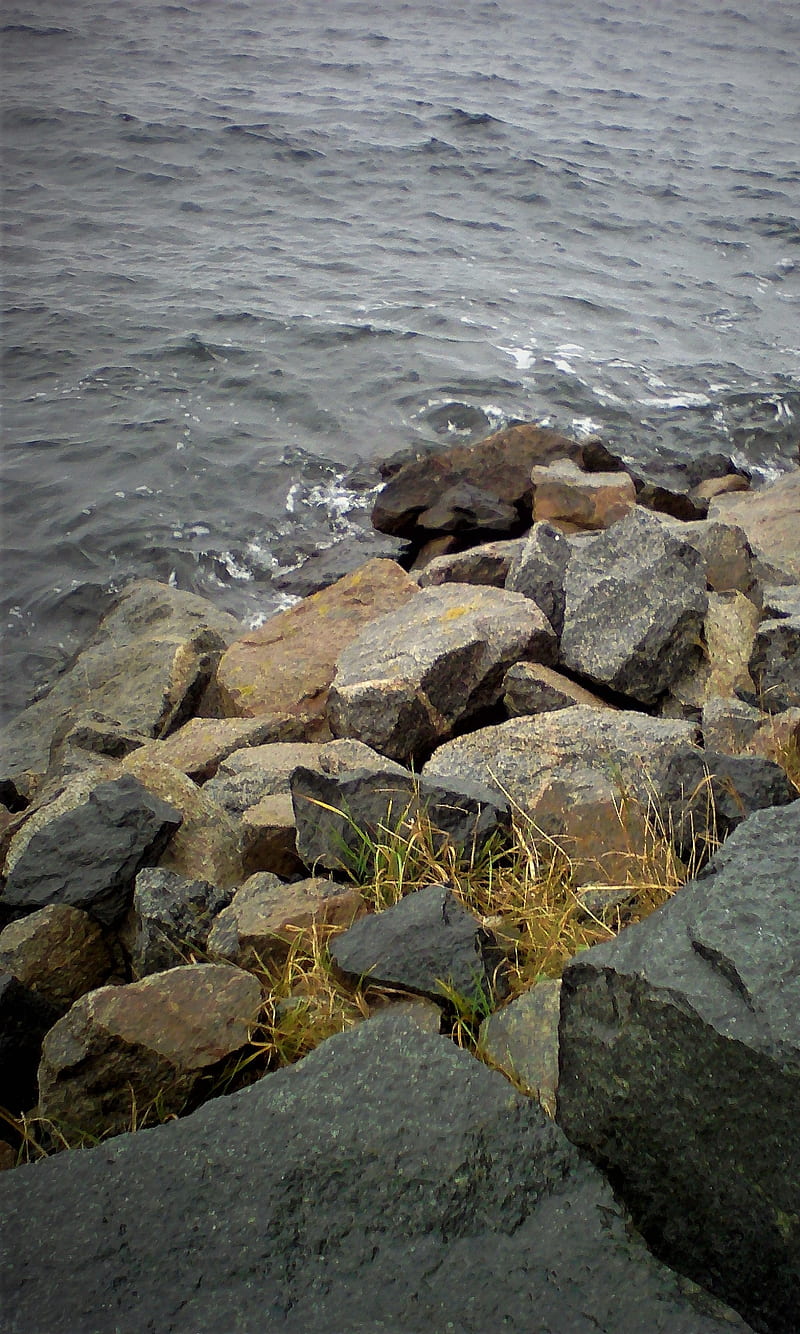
{"x": 562, "y": 644}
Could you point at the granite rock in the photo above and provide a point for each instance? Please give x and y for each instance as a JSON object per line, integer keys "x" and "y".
{"x": 173, "y": 918}
{"x": 59, "y": 952}
{"x": 539, "y": 571}
{"x": 706, "y": 794}
{"x": 565, "y": 495}
{"x": 487, "y": 563}
{"x": 528, "y": 687}
{"x": 266, "y": 917}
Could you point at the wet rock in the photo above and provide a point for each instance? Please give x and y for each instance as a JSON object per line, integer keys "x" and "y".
{"x": 145, "y": 668}
{"x": 769, "y": 517}
{"x": 528, "y": 687}
{"x": 635, "y": 602}
{"x": 539, "y": 570}
{"x": 775, "y": 664}
{"x": 88, "y": 857}
{"x": 208, "y": 845}
{"x": 468, "y": 509}
{"x": 414, "y": 675}
{"x": 680, "y": 1052}
{"x": 522, "y": 1041}
{"x": 570, "y": 498}
{"x": 120, "y": 1048}
{"x": 706, "y": 794}
{"x": 388, "y": 1175}
{"x": 59, "y": 952}
{"x": 266, "y": 917}
{"x": 25, "y": 1017}
{"x": 486, "y": 564}
{"x": 283, "y": 670}
{"x": 427, "y": 944}
{"x": 333, "y": 812}
{"x": 499, "y": 466}
{"x": 173, "y": 918}
{"x": 199, "y": 747}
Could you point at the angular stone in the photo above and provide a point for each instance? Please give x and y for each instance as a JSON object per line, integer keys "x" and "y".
{"x": 770, "y": 519}
{"x": 775, "y": 664}
{"x": 468, "y": 509}
{"x": 199, "y": 747}
{"x": 777, "y": 732}
{"x": 680, "y": 1061}
{"x": 719, "y": 486}
{"x": 59, "y": 952}
{"x": 487, "y": 564}
{"x": 333, "y": 812}
{"x": 706, "y": 794}
{"x": 528, "y": 687}
{"x": 729, "y": 630}
{"x": 208, "y": 844}
{"x": 145, "y": 668}
{"x": 50, "y": 803}
{"x": 314, "y": 568}
{"x": 247, "y": 776}
{"x": 415, "y": 675}
{"x": 539, "y": 571}
{"x": 89, "y": 856}
{"x": 522, "y": 1041}
{"x": 173, "y": 918}
{"x": 729, "y": 724}
{"x": 500, "y": 466}
{"x": 725, "y": 552}
{"x": 266, "y": 917}
{"x": 283, "y": 670}
{"x": 269, "y": 837}
{"x": 635, "y": 602}
{"x": 574, "y": 500}
{"x": 427, "y": 944}
{"x": 25, "y": 1017}
{"x": 120, "y": 1048}
{"x": 388, "y": 1181}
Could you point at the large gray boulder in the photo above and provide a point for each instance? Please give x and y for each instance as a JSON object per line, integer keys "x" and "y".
{"x": 680, "y": 1071}
{"x": 387, "y": 1183}
{"x": 413, "y": 675}
{"x": 635, "y": 599}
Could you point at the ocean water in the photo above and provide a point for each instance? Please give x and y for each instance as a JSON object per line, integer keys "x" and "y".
{"x": 250, "y": 249}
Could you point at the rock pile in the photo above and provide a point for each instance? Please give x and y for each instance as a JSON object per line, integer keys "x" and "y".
{"x": 591, "y": 655}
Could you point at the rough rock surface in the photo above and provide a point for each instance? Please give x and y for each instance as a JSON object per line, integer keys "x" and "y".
{"x": 266, "y": 917}
{"x": 522, "y": 1040}
{"x": 59, "y": 952}
{"x": 119, "y": 1048}
{"x": 145, "y": 668}
{"x": 775, "y": 664}
{"x": 199, "y": 747}
{"x": 247, "y": 776}
{"x": 283, "y": 670}
{"x": 388, "y": 1182}
{"x": 566, "y": 496}
{"x": 462, "y": 508}
{"x": 208, "y": 844}
{"x": 730, "y": 724}
{"x": 500, "y": 466}
{"x": 706, "y": 794}
{"x": 680, "y": 1071}
{"x": 635, "y": 602}
{"x": 88, "y": 857}
{"x": 173, "y": 918}
{"x": 530, "y": 688}
{"x": 413, "y": 675}
{"x": 332, "y": 810}
{"x": 726, "y": 553}
{"x": 25, "y": 1017}
{"x": 487, "y": 564}
{"x": 269, "y": 837}
{"x": 539, "y": 571}
{"x": 769, "y": 517}
{"x": 729, "y": 631}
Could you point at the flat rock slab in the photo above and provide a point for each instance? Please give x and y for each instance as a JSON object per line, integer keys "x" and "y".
{"x": 88, "y": 857}
{"x": 413, "y": 675}
{"x": 486, "y": 564}
{"x": 680, "y": 1071}
{"x": 284, "y": 669}
{"x": 199, "y": 747}
{"x": 388, "y": 1182}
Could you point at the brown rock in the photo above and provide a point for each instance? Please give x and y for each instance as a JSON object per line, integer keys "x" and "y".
{"x": 208, "y": 844}
{"x": 719, "y": 486}
{"x": 432, "y": 550}
{"x": 770, "y": 517}
{"x": 283, "y": 670}
{"x": 576, "y": 500}
{"x": 487, "y": 564}
{"x": 59, "y": 952}
{"x": 269, "y": 837}
{"x": 725, "y": 551}
{"x": 199, "y": 747}
{"x": 729, "y": 628}
{"x": 119, "y": 1049}
{"x": 266, "y": 917}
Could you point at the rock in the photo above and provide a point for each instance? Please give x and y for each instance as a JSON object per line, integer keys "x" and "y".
{"x": 468, "y": 509}
{"x": 266, "y": 917}
{"x": 499, "y": 466}
{"x": 320, "y": 567}
{"x": 706, "y": 794}
{"x": 208, "y": 845}
{"x": 89, "y": 856}
{"x": 269, "y": 837}
{"x": 427, "y": 944}
{"x": 414, "y": 675}
{"x": 199, "y": 747}
{"x": 718, "y": 486}
{"x": 86, "y": 741}
{"x": 680, "y": 1053}
{"x": 121, "y": 1048}
{"x": 25, "y": 1017}
{"x": 779, "y": 601}
{"x": 522, "y": 1041}
{"x": 729, "y": 724}
{"x": 487, "y": 564}
{"x": 443, "y": 545}
{"x": 145, "y": 668}
{"x": 283, "y": 670}
{"x": 729, "y": 630}
{"x": 776, "y": 733}
{"x": 635, "y": 602}
{"x": 247, "y": 776}
{"x": 725, "y": 552}
{"x": 50, "y": 803}
{"x": 530, "y": 688}
{"x": 539, "y": 571}
{"x": 775, "y": 664}
{"x": 572, "y": 499}
{"x": 769, "y": 517}
{"x": 173, "y": 918}
{"x": 388, "y": 1181}
{"x": 59, "y": 952}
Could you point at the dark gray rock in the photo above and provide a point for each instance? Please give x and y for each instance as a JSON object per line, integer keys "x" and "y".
{"x": 331, "y": 810}
{"x": 89, "y": 856}
{"x": 680, "y": 1071}
{"x": 247, "y": 776}
{"x": 468, "y": 509}
{"x": 707, "y": 793}
{"x": 635, "y": 603}
{"x": 540, "y": 569}
{"x": 173, "y": 918}
{"x": 488, "y": 564}
{"x": 25, "y": 1017}
{"x": 387, "y": 1184}
{"x": 775, "y": 664}
{"x": 427, "y": 944}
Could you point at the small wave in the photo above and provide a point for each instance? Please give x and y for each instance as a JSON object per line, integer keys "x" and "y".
{"x": 29, "y": 30}
{"x": 471, "y": 118}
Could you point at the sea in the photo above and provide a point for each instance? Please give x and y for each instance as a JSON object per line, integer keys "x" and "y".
{"x": 253, "y": 248}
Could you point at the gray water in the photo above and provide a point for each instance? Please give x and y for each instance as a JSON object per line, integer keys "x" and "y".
{"x": 252, "y": 248}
